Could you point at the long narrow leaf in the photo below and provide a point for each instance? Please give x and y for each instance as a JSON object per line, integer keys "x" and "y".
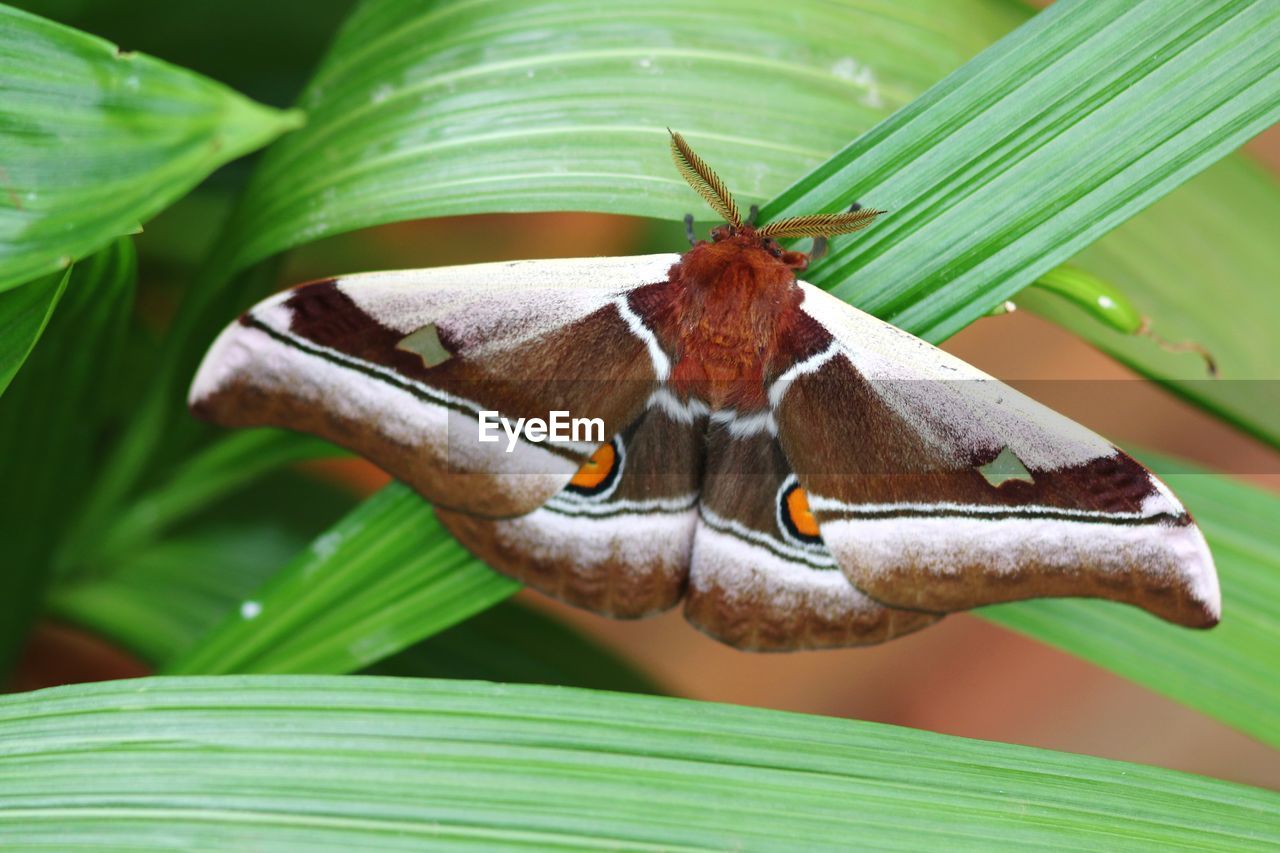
{"x": 219, "y": 470}
{"x": 1042, "y": 144}
{"x": 160, "y": 599}
{"x": 23, "y": 315}
{"x": 51, "y": 422}
{"x": 95, "y": 140}
{"x": 519, "y": 645}
{"x": 381, "y": 579}
{"x": 374, "y": 763}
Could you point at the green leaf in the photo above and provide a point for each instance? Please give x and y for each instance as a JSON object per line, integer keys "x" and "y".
{"x": 151, "y": 426}
{"x": 158, "y": 600}
{"x": 161, "y": 600}
{"x": 94, "y": 141}
{"x": 234, "y": 41}
{"x": 230, "y": 464}
{"x": 376, "y": 763}
{"x": 516, "y": 644}
{"x": 382, "y": 578}
{"x": 458, "y": 107}
{"x": 1032, "y": 151}
{"x": 1201, "y": 263}
{"x": 1228, "y": 672}
{"x": 166, "y": 596}
{"x": 51, "y": 423}
{"x": 23, "y": 315}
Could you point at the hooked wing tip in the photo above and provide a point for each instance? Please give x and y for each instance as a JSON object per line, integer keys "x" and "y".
{"x": 1201, "y": 581}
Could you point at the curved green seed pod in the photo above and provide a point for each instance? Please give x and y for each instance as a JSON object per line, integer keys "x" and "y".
{"x": 1106, "y": 303}
{"x": 1101, "y": 299}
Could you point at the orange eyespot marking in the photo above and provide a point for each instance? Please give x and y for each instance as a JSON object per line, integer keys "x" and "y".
{"x": 594, "y": 471}
{"x": 801, "y": 515}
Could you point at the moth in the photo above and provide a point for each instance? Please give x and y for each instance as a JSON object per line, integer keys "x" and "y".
{"x": 800, "y": 473}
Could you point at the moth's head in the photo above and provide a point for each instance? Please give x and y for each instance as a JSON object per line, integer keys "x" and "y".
{"x": 748, "y": 238}
{"x": 748, "y": 235}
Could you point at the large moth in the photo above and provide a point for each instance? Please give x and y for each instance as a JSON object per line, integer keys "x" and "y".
{"x": 800, "y": 473}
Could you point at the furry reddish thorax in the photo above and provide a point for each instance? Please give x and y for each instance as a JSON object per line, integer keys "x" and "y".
{"x": 726, "y": 308}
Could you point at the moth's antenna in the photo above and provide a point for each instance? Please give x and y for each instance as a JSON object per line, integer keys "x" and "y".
{"x": 705, "y": 182}
{"x": 821, "y": 224}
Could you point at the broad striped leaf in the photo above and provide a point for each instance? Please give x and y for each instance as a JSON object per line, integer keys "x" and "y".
{"x": 379, "y": 763}
{"x": 1026, "y": 155}
{"x": 459, "y": 107}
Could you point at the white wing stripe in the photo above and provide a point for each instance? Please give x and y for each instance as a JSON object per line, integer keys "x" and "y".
{"x": 741, "y": 426}
{"x": 819, "y": 560}
{"x": 682, "y": 413}
{"x": 567, "y": 503}
{"x": 818, "y": 503}
{"x": 778, "y": 389}
{"x": 661, "y": 364}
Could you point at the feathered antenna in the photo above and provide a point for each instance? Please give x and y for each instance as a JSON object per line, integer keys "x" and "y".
{"x": 820, "y": 224}
{"x": 705, "y": 182}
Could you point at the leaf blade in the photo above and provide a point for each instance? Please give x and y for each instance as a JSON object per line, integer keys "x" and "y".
{"x": 1046, "y": 187}
{"x": 382, "y": 578}
{"x": 50, "y": 437}
{"x": 23, "y": 317}
{"x": 458, "y": 762}
{"x": 1196, "y": 262}
{"x": 399, "y": 103}
{"x": 96, "y": 140}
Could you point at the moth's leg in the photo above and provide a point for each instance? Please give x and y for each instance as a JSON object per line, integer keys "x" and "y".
{"x": 753, "y": 214}
{"x": 688, "y": 229}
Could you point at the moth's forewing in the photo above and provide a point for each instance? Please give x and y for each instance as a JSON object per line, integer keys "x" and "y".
{"x": 350, "y": 360}
{"x": 938, "y": 487}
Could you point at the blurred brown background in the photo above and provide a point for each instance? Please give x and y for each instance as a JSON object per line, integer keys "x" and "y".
{"x": 962, "y": 677}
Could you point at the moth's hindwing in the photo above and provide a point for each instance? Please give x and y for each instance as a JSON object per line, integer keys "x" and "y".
{"x": 617, "y": 538}
{"x": 938, "y": 487}
{"x": 396, "y": 366}
{"x": 762, "y": 577}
